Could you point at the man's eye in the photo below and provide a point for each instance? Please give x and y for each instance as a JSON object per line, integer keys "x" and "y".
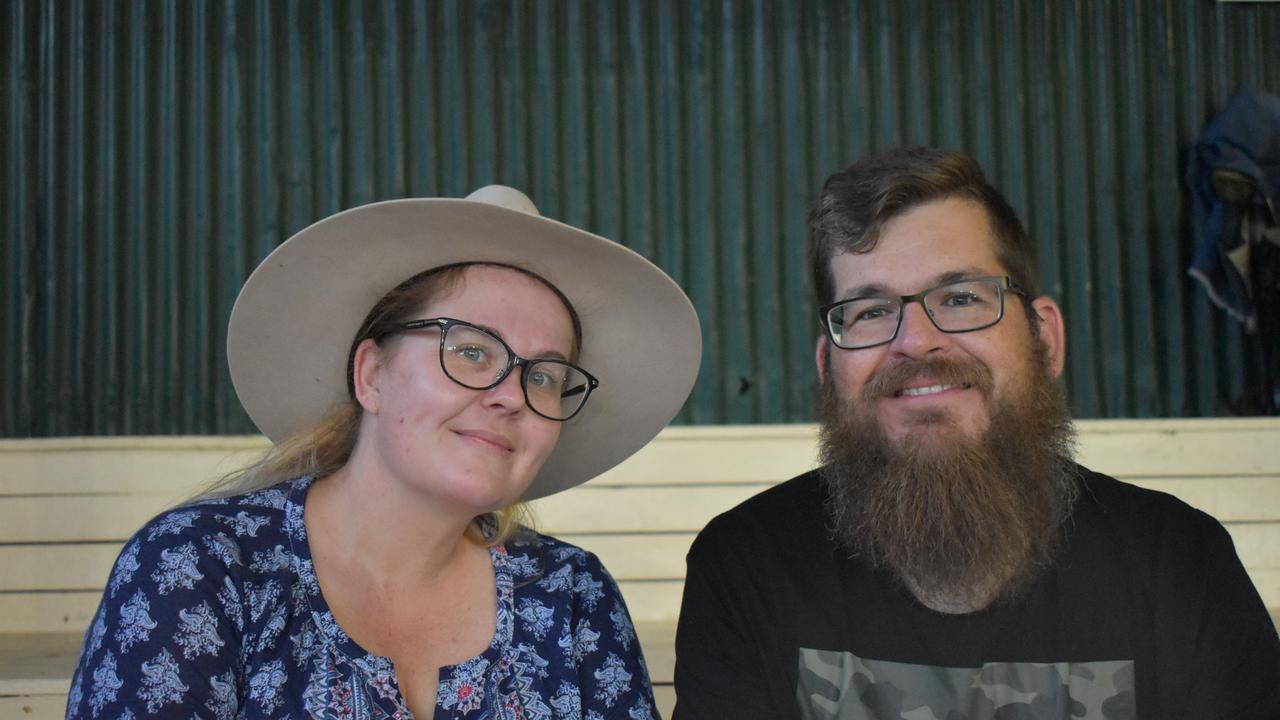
{"x": 961, "y": 299}
{"x": 872, "y": 313}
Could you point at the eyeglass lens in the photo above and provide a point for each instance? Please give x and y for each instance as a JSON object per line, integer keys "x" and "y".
{"x": 478, "y": 360}
{"x": 955, "y": 307}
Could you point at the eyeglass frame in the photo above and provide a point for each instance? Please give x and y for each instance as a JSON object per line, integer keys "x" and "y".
{"x": 513, "y": 361}
{"x": 1003, "y": 282}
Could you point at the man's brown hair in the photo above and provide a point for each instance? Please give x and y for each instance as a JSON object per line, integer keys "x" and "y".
{"x": 855, "y": 204}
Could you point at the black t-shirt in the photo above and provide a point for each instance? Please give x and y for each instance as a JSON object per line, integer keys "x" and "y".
{"x": 1147, "y": 608}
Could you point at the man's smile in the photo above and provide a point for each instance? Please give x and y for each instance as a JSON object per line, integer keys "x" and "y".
{"x": 930, "y": 389}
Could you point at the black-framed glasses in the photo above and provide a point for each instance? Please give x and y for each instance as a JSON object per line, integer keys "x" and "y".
{"x": 959, "y": 306}
{"x": 477, "y": 359}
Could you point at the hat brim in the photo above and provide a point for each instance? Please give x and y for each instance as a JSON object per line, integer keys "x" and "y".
{"x": 296, "y": 316}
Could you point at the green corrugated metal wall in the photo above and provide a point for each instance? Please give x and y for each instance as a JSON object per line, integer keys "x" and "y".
{"x": 153, "y": 151}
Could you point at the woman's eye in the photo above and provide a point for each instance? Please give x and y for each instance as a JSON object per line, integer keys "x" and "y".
{"x": 471, "y": 353}
{"x": 545, "y": 379}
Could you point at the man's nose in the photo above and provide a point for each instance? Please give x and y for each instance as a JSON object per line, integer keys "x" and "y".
{"x": 917, "y": 335}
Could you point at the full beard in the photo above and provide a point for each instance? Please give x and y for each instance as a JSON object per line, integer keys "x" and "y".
{"x": 962, "y": 523}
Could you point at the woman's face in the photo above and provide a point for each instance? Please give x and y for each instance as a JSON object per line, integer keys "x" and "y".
{"x": 476, "y": 450}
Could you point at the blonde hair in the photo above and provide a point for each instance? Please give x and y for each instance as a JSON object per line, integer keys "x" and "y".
{"x": 322, "y": 448}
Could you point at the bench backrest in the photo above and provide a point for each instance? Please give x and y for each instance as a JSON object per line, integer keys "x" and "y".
{"x": 67, "y": 505}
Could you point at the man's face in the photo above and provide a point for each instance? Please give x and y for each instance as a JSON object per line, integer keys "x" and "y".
{"x": 927, "y": 385}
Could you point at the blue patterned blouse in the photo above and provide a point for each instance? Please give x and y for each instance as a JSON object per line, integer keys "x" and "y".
{"x": 213, "y": 611}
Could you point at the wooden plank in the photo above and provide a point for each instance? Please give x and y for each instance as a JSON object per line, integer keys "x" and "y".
{"x": 56, "y": 567}
{"x": 57, "y": 612}
{"x": 658, "y": 639}
{"x": 38, "y": 663}
{"x": 588, "y": 509}
{"x": 172, "y": 466}
{"x": 1268, "y": 584}
{"x": 41, "y": 707}
{"x": 1257, "y": 544}
{"x": 652, "y": 600}
{"x": 743, "y": 454}
{"x": 1201, "y": 451}
{"x": 75, "y": 518}
{"x": 1229, "y": 499}
{"x": 648, "y": 556}
{"x": 592, "y": 508}
{"x": 657, "y": 556}
{"x": 664, "y": 696}
{"x": 1251, "y": 499}
{"x": 176, "y": 466}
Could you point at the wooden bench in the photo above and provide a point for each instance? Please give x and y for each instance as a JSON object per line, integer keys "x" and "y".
{"x": 67, "y": 505}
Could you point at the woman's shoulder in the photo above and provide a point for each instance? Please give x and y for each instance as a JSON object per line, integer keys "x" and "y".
{"x": 247, "y": 538}
{"x": 228, "y": 529}
{"x": 549, "y": 553}
{"x": 545, "y": 565}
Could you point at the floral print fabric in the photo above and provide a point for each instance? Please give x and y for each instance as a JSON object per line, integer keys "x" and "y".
{"x": 214, "y": 611}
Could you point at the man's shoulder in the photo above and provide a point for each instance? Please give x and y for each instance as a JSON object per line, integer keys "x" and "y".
{"x": 1129, "y": 503}
{"x": 790, "y": 509}
{"x": 801, "y": 493}
{"x": 1146, "y": 521}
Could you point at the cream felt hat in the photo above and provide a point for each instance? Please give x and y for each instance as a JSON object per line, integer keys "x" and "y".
{"x": 297, "y": 315}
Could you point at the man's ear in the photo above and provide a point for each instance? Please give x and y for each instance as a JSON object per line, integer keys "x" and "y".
{"x": 822, "y": 355}
{"x": 1052, "y": 332}
{"x": 366, "y": 367}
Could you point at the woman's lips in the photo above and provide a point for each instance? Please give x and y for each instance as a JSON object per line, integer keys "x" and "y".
{"x": 489, "y": 438}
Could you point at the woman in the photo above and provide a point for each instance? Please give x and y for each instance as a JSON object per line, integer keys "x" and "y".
{"x": 422, "y": 365}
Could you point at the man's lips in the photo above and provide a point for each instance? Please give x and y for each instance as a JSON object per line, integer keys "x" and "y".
{"x": 923, "y": 379}
{"x": 498, "y": 441}
{"x": 925, "y": 390}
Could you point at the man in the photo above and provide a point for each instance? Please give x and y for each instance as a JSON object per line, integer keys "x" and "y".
{"x": 949, "y": 560}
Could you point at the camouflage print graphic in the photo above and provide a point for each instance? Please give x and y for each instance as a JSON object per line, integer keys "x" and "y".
{"x": 841, "y": 686}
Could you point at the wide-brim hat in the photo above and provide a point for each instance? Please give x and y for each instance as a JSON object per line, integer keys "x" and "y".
{"x": 297, "y": 315}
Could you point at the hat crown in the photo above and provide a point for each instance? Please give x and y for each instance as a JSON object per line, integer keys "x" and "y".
{"x": 506, "y": 197}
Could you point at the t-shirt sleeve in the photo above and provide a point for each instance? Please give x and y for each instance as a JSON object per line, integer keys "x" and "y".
{"x": 1229, "y": 665}
{"x": 719, "y": 668}
{"x": 612, "y": 676}
{"x": 164, "y": 641}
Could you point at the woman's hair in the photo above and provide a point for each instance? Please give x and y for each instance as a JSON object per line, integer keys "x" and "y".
{"x": 325, "y": 446}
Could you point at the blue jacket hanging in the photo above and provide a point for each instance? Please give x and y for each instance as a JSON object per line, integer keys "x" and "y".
{"x": 1234, "y": 177}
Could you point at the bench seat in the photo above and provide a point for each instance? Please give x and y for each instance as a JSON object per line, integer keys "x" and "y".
{"x": 67, "y": 505}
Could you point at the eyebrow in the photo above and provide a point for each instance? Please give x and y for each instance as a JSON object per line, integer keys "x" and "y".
{"x": 880, "y": 290}
{"x": 542, "y": 355}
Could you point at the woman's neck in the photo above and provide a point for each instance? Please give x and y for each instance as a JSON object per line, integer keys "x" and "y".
{"x": 393, "y": 531}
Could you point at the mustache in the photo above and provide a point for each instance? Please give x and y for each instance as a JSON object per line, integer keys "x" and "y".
{"x": 892, "y": 378}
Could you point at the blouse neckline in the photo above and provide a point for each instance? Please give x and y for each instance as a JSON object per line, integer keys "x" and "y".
{"x": 337, "y": 638}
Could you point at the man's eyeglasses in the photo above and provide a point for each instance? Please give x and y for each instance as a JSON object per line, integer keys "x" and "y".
{"x": 954, "y": 307}
{"x": 476, "y": 358}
